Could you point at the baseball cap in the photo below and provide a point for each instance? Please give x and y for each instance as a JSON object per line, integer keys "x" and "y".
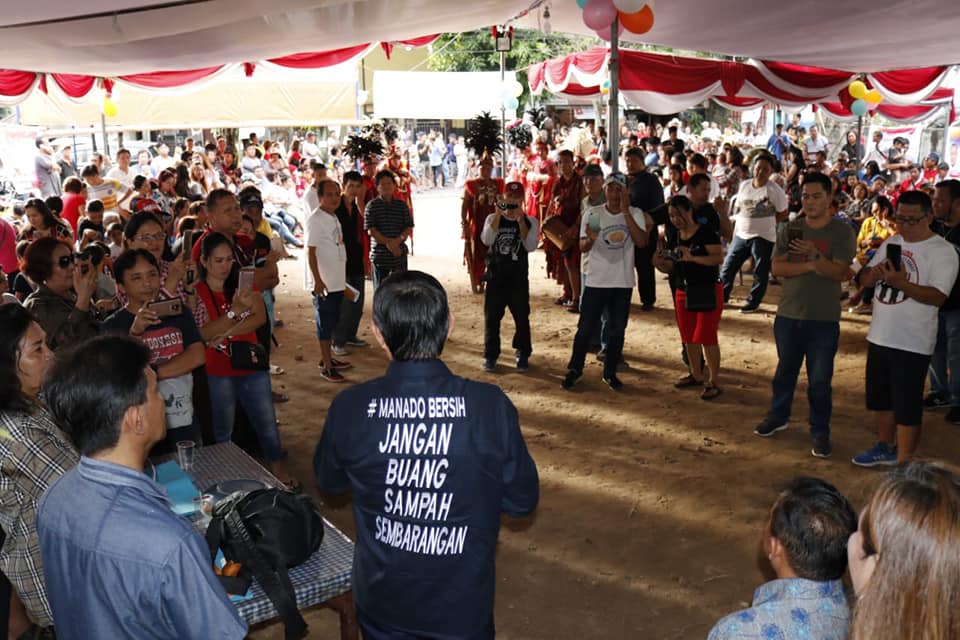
{"x": 592, "y": 170}
{"x": 943, "y": 166}
{"x": 616, "y": 178}
{"x": 933, "y": 155}
{"x": 251, "y": 199}
{"x": 145, "y": 204}
{"x": 513, "y": 189}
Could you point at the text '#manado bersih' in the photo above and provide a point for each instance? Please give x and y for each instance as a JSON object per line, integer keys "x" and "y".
{"x": 417, "y": 444}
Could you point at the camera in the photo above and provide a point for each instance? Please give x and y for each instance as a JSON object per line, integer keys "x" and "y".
{"x": 671, "y": 254}
{"x": 503, "y": 206}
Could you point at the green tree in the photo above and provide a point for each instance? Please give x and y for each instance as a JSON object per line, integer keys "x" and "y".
{"x": 476, "y": 51}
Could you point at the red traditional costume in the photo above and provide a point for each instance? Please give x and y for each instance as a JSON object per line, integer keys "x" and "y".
{"x": 479, "y": 201}
{"x": 568, "y": 194}
{"x": 404, "y": 183}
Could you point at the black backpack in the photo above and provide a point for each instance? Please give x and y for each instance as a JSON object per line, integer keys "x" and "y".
{"x": 268, "y": 531}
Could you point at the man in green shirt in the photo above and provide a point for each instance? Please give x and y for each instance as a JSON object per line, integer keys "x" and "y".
{"x": 812, "y": 256}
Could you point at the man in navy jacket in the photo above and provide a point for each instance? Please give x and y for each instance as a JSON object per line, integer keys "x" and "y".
{"x": 432, "y": 460}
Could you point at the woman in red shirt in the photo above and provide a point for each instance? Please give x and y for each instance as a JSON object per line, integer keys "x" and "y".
{"x": 74, "y": 200}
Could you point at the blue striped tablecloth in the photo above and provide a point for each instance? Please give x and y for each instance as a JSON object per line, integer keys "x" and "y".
{"x": 324, "y": 576}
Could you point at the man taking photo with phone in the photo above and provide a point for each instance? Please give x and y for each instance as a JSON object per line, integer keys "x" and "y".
{"x": 812, "y": 255}
{"x": 167, "y": 328}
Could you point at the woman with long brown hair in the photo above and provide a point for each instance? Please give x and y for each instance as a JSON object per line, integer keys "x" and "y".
{"x": 904, "y": 559}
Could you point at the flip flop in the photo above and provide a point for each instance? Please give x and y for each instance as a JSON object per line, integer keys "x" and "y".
{"x": 710, "y": 392}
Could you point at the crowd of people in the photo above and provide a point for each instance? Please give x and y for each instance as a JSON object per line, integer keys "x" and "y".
{"x": 150, "y": 295}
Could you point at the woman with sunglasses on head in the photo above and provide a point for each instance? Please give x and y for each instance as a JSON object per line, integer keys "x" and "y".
{"x": 228, "y": 317}
{"x": 144, "y": 230}
{"x": 33, "y": 454}
{"x": 63, "y": 301}
{"x": 43, "y": 223}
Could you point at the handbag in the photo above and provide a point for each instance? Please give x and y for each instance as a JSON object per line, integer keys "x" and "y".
{"x": 267, "y": 531}
{"x": 244, "y": 356}
{"x": 700, "y": 297}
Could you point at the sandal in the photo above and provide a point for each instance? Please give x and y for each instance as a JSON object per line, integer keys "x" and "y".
{"x": 687, "y": 381}
{"x": 279, "y": 397}
{"x": 561, "y": 302}
{"x": 710, "y": 392}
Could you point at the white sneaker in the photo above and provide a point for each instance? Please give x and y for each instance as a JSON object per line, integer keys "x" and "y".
{"x": 339, "y": 350}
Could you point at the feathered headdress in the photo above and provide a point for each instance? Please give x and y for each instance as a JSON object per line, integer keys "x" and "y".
{"x": 483, "y": 135}
{"x": 520, "y": 136}
{"x": 368, "y": 143}
{"x": 537, "y": 115}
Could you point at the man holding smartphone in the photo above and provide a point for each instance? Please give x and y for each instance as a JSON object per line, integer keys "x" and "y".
{"x": 812, "y": 255}
{"x": 510, "y": 236}
{"x": 914, "y": 272}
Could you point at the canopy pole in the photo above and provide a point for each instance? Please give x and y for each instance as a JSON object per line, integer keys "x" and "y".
{"x": 106, "y": 142}
{"x": 503, "y": 116}
{"x": 859, "y": 137}
{"x": 613, "y": 116}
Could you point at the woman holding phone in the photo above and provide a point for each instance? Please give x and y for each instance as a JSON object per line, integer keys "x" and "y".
{"x": 144, "y": 230}
{"x": 692, "y": 256}
{"x": 237, "y": 367}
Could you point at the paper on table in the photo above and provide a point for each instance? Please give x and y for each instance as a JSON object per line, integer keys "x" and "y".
{"x": 179, "y": 487}
{"x": 220, "y": 561}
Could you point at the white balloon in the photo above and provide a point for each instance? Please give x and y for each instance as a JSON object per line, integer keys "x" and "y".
{"x": 630, "y": 6}
{"x": 516, "y": 88}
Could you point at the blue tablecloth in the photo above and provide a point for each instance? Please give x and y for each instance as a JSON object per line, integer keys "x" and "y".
{"x": 324, "y": 576}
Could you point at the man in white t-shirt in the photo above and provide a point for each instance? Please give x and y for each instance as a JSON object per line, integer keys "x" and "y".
{"x": 163, "y": 159}
{"x": 309, "y": 148}
{"x": 875, "y": 153}
{"x": 761, "y": 203}
{"x": 913, "y": 272}
{"x": 609, "y": 233}
{"x": 122, "y": 172}
{"x": 327, "y": 258}
{"x": 813, "y": 144}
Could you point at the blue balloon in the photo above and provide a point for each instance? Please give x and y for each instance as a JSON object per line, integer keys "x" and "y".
{"x": 511, "y": 103}
{"x": 859, "y": 107}
{"x": 581, "y": 3}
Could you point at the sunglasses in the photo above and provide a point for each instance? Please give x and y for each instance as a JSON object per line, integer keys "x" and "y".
{"x": 66, "y": 261}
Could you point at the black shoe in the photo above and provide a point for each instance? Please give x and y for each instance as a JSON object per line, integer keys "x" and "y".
{"x": 821, "y": 447}
{"x": 523, "y": 363}
{"x": 647, "y": 307}
{"x": 953, "y": 415}
{"x": 769, "y": 427}
{"x": 571, "y": 379}
{"x": 601, "y": 355}
{"x": 749, "y": 308}
{"x": 489, "y": 365}
{"x": 614, "y": 383}
{"x": 935, "y": 401}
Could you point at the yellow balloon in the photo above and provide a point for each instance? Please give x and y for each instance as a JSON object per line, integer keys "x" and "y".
{"x": 109, "y": 107}
{"x": 858, "y": 90}
{"x": 873, "y": 96}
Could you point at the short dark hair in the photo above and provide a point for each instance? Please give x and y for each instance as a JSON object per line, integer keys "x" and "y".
{"x": 696, "y": 180}
{"x": 916, "y": 198}
{"x": 216, "y": 196}
{"x": 95, "y": 205}
{"x": 813, "y": 520}
{"x": 14, "y": 322}
{"x": 90, "y": 170}
{"x": 126, "y": 261}
{"x": 138, "y": 181}
{"x": 565, "y": 153}
{"x": 411, "y": 312}
{"x": 633, "y": 152}
{"x": 352, "y": 176}
{"x": 91, "y": 387}
{"x": 73, "y": 184}
{"x": 953, "y": 188}
{"x": 698, "y": 160}
{"x": 681, "y": 202}
{"x": 137, "y": 220}
{"x": 122, "y": 151}
{"x": 384, "y": 173}
{"x": 815, "y": 177}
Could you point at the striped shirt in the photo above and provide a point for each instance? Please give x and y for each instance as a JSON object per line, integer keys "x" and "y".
{"x": 390, "y": 219}
{"x": 32, "y": 457}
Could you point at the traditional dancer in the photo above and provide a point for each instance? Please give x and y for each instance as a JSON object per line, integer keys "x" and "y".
{"x": 480, "y": 196}
{"x": 396, "y": 164}
{"x": 366, "y": 147}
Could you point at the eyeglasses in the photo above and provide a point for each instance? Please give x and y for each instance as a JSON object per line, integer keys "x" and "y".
{"x": 149, "y": 237}
{"x": 907, "y": 220}
{"x": 65, "y": 261}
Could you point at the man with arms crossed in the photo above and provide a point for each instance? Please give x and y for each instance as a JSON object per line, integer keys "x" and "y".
{"x": 432, "y": 460}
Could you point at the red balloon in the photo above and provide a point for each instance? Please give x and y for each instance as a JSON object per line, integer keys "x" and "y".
{"x": 845, "y": 98}
{"x": 639, "y": 22}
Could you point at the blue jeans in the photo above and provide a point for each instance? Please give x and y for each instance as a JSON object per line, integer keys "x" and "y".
{"x": 350, "y": 313}
{"x": 253, "y": 392}
{"x": 816, "y": 341}
{"x": 945, "y": 362}
{"x": 283, "y": 231}
{"x": 381, "y": 273}
{"x": 737, "y": 253}
{"x": 594, "y": 301}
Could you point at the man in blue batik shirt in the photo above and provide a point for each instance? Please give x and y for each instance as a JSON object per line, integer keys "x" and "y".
{"x": 806, "y": 543}
{"x": 117, "y": 562}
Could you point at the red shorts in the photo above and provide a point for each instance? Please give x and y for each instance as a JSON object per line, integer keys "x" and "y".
{"x": 698, "y": 327}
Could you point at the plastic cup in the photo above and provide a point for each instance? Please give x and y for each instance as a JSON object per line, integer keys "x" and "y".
{"x": 186, "y": 452}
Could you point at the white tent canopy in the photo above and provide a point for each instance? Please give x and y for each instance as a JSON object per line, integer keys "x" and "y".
{"x": 436, "y": 95}
{"x": 116, "y": 37}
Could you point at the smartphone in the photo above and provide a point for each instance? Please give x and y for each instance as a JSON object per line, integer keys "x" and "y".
{"x": 245, "y": 282}
{"x": 166, "y": 308}
{"x": 794, "y": 234}
{"x": 894, "y": 255}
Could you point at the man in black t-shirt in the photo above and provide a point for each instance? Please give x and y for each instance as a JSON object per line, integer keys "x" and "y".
{"x": 388, "y": 221}
{"x": 351, "y": 224}
{"x": 510, "y": 236}
{"x": 646, "y": 194}
{"x": 432, "y": 460}
{"x": 945, "y": 361}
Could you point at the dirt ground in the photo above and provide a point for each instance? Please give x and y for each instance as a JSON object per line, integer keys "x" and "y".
{"x": 652, "y": 501}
